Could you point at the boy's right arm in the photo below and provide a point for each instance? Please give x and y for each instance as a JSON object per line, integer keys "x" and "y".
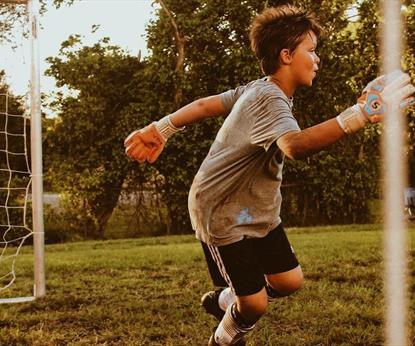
{"x": 377, "y": 100}
{"x": 147, "y": 144}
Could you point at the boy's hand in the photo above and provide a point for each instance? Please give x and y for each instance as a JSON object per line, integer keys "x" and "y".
{"x": 383, "y": 94}
{"x": 386, "y": 93}
{"x": 145, "y": 144}
{"x": 148, "y": 143}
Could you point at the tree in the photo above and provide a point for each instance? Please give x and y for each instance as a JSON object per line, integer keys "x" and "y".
{"x": 11, "y": 15}
{"x": 14, "y": 14}
{"x": 84, "y": 147}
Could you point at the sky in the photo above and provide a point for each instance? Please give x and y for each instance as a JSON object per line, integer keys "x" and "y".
{"x": 124, "y": 21}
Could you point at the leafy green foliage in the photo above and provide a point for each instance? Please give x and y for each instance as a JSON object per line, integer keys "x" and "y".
{"x": 84, "y": 146}
{"x": 11, "y": 16}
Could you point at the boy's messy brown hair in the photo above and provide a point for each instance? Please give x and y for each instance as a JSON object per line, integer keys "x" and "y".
{"x": 277, "y": 28}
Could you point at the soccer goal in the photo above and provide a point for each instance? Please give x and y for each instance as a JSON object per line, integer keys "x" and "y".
{"x": 21, "y": 189}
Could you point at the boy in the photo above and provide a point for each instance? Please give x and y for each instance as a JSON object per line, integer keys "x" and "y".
{"x": 235, "y": 198}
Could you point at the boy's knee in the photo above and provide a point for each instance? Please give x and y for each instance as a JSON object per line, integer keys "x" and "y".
{"x": 253, "y": 307}
{"x": 283, "y": 288}
{"x": 253, "y": 313}
{"x": 293, "y": 285}
{"x": 260, "y": 308}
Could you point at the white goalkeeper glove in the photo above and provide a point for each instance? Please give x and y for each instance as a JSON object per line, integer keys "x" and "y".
{"x": 380, "y": 96}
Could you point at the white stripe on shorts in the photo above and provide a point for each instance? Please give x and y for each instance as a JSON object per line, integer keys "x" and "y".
{"x": 218, "y": 260}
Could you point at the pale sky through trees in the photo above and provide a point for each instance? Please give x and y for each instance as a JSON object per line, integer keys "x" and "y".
{"x": 123, "y": 21}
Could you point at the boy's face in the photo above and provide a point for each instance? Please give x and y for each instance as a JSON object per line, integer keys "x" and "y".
{"x": 305, "y": 61}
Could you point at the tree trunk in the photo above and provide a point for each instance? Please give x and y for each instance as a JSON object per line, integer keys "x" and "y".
{"x": 103, "y": 208}
{"x": 181, "y": 50}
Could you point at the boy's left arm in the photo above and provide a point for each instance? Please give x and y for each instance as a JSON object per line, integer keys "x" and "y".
{"x": 378, "y": 98}
{"x": 147, "y": 144}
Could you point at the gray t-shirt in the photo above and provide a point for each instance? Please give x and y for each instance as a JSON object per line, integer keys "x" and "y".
{"x": 236, "y": 192}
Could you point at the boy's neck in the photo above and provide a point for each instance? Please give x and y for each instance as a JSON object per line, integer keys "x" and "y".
{"x": 283, "y": 81}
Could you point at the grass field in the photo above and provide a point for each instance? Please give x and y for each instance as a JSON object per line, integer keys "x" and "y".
{"x": 146, "y": 292}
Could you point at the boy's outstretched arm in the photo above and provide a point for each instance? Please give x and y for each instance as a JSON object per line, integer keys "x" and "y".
{"x": 378, "y": 98}
{"x": 298, "y": 145}
{"x": 147, "y": 144}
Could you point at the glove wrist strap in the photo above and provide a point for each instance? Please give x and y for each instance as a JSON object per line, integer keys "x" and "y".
{"x": 352, "y": 119}
{"x": 166, "y": 127}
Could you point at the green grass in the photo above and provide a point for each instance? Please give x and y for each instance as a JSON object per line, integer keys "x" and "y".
{"x": 146, "y": 292}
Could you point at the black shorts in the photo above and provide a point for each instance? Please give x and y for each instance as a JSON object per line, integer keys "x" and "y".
{"x": 242, "y": 265}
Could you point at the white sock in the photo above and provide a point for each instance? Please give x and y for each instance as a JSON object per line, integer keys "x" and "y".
{"x": 228, "y": 331}
{"x": 226, "y": 298}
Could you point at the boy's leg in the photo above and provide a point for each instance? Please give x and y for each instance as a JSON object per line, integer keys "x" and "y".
{"x": 214, "y": 272}
{"x": 238, "y": 265}
{"x": 277, "y": 259}
{"x": 215, "y": 302}
{"x": 239, "y": 319}
{"x": 253, "y": 306}
{"x": 281, "y": 268}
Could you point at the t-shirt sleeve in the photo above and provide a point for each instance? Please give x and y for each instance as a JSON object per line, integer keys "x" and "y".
{"x": 274, "y": 120}
{"x": 230, "y": 97}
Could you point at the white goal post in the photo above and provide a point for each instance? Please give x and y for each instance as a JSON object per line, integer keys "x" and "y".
{"x": 32, "y": 9}
{"x": 395, "y": 179}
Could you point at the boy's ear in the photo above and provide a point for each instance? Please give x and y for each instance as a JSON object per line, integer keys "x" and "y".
{"x": 285, "y": 56}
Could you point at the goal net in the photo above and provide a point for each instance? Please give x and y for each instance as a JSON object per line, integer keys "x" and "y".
{"x": 15, "y": 185}
{"x": 21, "y": 188}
